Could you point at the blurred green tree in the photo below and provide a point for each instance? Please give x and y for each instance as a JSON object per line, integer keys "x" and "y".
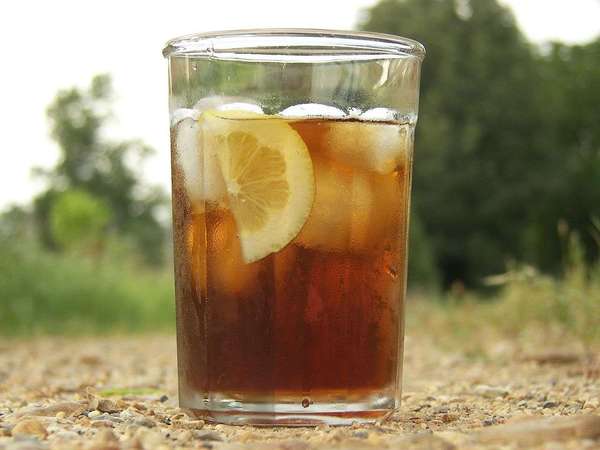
{"x": 483, "y": 161}
{"x": 103, "y": 170}
{"x": 78, "y": 221}
{"x": 571, "y": 95}
{"x": 15, "y": 224}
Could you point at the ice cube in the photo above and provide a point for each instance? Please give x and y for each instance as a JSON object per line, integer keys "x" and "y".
{"x": 328, "y": 225}
{"x": 221, "y": 102}
{"x": 354, "y": 211}
{"x": 215, "y": 257}
{"x": 195, "y": 155}
{"x": 183, "y": 113}
{"x": 227, "y": 273}
{"x": 354, "y": 113}
{"x": 380, "y": 115}
{"x": 313, "y": 110}
{"x": 240, "y": 106}
{"x": 378, "y": 147}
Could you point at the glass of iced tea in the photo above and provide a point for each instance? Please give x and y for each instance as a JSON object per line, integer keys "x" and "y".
{"x": 291, "y": 168}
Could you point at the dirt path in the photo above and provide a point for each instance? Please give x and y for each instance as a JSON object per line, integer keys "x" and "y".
{"x": 502, "y": 398}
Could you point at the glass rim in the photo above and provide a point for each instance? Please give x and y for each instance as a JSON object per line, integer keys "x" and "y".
{"x": 293, "y": 45}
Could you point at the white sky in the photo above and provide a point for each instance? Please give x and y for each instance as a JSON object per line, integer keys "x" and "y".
{"x": 56, "y": 44}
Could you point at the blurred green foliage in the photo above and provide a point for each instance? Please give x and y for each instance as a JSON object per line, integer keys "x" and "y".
{"x": 507, "y": 145}
{"x": 78, "y": 219}
{"x": 51, "y": 293}
{"x": 93, "y": 173}
{"x": 529, "y": 306}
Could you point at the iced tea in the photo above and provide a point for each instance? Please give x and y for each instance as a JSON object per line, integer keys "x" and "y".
{"x": 307, "y": 316}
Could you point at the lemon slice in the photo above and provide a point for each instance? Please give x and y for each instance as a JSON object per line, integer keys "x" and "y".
{"x": 268, "y": 176}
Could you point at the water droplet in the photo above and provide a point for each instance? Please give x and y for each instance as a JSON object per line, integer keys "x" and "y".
{"x": 306, "y": 403}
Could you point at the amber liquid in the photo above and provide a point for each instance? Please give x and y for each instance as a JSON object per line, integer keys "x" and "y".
{"x": 322, "y": 318}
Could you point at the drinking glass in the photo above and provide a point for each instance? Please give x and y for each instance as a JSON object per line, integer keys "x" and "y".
{"x": 291, "y": 169}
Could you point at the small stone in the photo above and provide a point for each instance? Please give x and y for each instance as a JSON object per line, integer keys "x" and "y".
{"x": 107, "y": 406}
{"x": 149, "y": 438}
{"x": 185, "y": 436}
{"x": 134, "y": 444}
{"x": 30, "y": 427}
{"x": 102, "y": 424}
{"x": 188, "y": 424}
{"x": 93, "y": 402}
{"x": 536, "y": 431}
{"x": 106, "y": 435}
{"x": 65, "y": 435}
{"x": 5, "y": 429}
{"x": 246, "y": 436}
{"x": 490, "y": 391}
{"x": 144, "y": 422}
{"x": 111, "y": 417}
{"x": 94, "y": 414}
{"x": 447, "y": 418}
{"x": 69, "y": 408}
{"x": 361, "y": 434}
{"x": 549, "y": 404}
{"x": 90, "y": 360}
{"x": 60, "y": 415}
{"x": 208, "y": 436}
{"x": 553, "y": 357}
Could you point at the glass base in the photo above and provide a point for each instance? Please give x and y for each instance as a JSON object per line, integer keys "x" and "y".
{"x": 306, "y": 413}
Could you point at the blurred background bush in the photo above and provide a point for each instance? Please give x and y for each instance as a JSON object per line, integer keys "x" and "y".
{"x": 506, "y": 196}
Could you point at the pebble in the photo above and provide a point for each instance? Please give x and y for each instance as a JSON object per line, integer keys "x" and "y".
{"x": 107, "y": 406}
{"x": 106, "y": 435}
{"x": 185, "y": 436}
{"x": 553, "y": 357}
{"x": 188, "y": 424}
{"x": 490, "y": 391}
{"x": 144, "y": 422}
{"x": 30, "y": 427}
{"x": 102, "y": 424}
{"x": 441, "y": 410}
{"x": 68, "y": 408}
{"x": 65, "y": 435}
{"x": 104, "y": 416}
{"x": 361, "y": 434}
{"x": 208, "y": 436}
{"x": 549, "y": 404}
{"x": 149, "y": 438}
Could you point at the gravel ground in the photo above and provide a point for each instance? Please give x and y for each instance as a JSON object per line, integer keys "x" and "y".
{"x": 120, "y": 392}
